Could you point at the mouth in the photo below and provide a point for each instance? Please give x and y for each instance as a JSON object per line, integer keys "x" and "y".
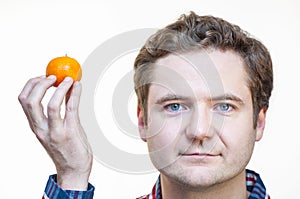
{"x": 199, "y": 155}
{"x": 197, "y": 159}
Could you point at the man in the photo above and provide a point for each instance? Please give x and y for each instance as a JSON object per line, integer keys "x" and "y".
{"x": 203, "y": 87}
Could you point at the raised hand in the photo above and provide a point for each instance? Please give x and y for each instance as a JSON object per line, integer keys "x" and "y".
{"x": 62, "y": 137}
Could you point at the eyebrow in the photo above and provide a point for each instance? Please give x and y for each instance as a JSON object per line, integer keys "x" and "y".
{"x": 227, "y": 96}
{"x": 170, "y": 97}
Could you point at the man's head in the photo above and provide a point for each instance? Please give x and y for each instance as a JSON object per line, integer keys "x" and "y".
{"x": 193, "y": 32}
{"x": 203, "y": 88}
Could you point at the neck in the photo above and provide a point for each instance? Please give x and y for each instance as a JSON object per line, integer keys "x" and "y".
{"x": 234, "y": 188}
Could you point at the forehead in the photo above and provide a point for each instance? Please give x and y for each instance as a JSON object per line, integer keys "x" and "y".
{"x": 202, "y": 72}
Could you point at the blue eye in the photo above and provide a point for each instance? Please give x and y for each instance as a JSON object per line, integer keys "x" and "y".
{"x": 174, "y": 107}
{"x": 224, "y": 107}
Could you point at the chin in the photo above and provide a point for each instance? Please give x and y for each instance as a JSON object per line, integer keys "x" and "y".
{"x": 194, "y": 177}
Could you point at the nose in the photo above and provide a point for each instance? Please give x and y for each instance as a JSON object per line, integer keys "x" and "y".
{"x": 199, "y": 126}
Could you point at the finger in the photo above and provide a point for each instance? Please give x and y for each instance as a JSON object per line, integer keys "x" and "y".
{"x": 54, "y": 105}
{"x": 34, "y": 93}
{"x": 24, "y": 95}
{"x": 72, "y": 102}
{"x": 28, "y": 88}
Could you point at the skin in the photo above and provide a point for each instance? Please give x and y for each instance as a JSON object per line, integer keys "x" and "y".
{"x": 200, "y": 136}
{"x": 62, "y": 137}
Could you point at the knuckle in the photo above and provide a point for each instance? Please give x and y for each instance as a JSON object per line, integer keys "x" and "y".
{"x": 53, "y": 108}
{"x": 30, "y": 104}
{"x": 71, "y": 109}
{"x": 22, "y": 98}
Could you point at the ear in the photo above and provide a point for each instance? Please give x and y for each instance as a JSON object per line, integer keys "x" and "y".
{"x": 141, "y": 124}
{"x": 261, "y": 122}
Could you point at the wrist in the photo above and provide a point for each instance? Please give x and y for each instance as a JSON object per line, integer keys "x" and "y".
{"x": 74, "y": 181}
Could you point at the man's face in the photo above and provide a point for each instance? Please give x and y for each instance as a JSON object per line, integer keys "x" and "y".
{"x": 200, "y": 118}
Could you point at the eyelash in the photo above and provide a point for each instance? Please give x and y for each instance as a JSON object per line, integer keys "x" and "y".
{"x": 217, "y": 108}
{"x": 168, "y": 107}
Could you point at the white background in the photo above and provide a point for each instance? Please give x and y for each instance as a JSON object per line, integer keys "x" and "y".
{"x": 33, "y": 32}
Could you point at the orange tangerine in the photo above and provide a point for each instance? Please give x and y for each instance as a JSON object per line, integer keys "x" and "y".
{"x": 62, "y": 67}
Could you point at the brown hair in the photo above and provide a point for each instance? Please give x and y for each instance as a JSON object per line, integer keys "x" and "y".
{"x": 195, "y": 32}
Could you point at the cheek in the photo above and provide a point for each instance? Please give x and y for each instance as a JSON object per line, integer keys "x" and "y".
{"x": 163, "y": 132}
{"x": 162, "y": 146}
{"x": 238, "y": 137}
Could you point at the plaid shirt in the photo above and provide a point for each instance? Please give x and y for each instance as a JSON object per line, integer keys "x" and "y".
{"x": 253, "y": 181}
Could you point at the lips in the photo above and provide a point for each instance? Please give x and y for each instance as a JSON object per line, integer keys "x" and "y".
{"x": 197, "y": 159}
{"x": 199, "y": 154}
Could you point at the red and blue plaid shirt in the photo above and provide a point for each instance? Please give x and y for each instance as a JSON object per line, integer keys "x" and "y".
{"x": 52, "y": 191}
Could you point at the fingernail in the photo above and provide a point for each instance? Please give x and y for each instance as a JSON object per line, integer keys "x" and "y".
{"x": 68, "y": 79}
{"x": 76, "y": 84}
{"x": 51, "y": 77}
